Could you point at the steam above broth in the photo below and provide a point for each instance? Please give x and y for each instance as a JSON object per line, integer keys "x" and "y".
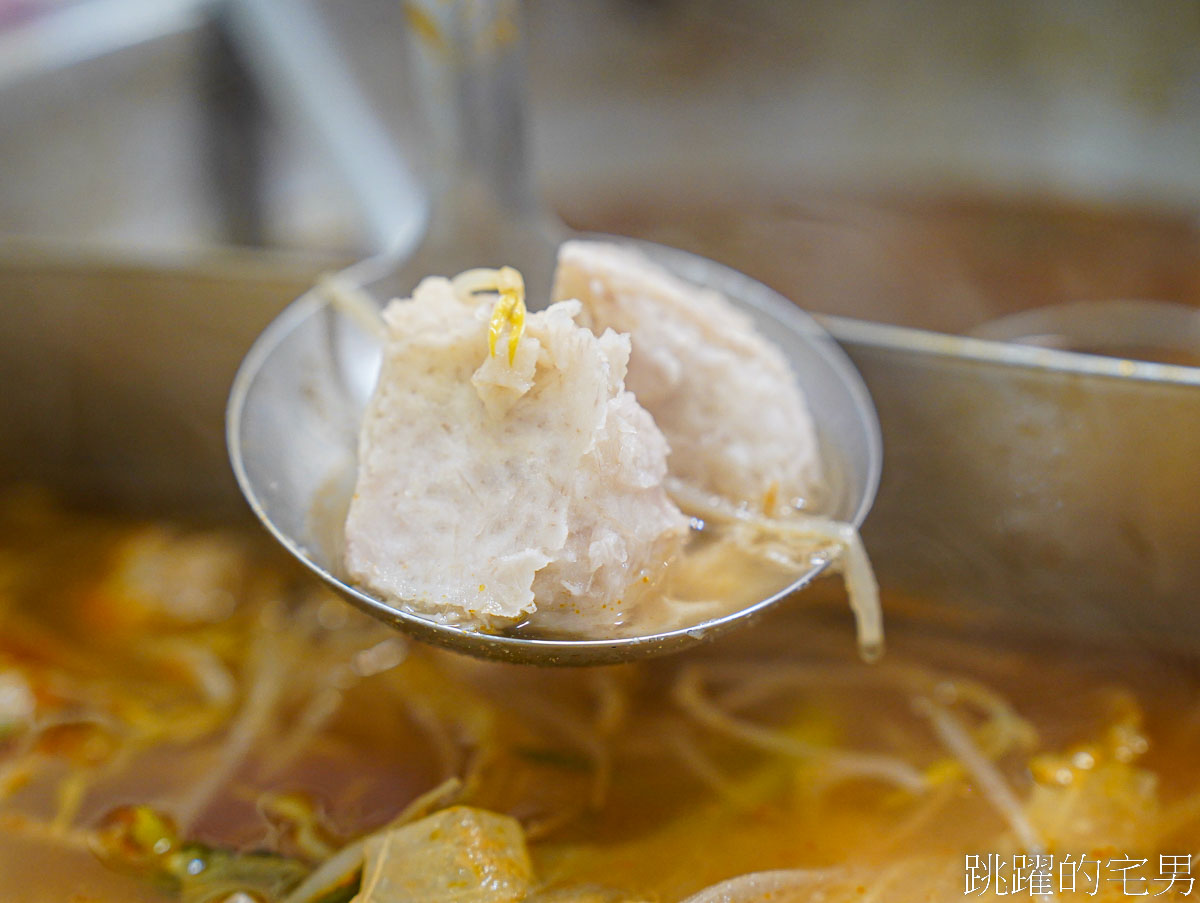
{"x": 538, "y": 472}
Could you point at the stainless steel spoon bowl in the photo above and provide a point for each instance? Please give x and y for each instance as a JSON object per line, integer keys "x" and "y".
{"x": 297, "y": 401}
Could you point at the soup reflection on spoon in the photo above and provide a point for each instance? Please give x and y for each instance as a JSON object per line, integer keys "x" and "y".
{"x": 505, "y": 474}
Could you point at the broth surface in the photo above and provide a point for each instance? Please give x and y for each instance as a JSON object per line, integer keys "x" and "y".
{"x": 198, "y": 672}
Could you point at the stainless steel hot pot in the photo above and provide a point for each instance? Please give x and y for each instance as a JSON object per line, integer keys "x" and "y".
{"x": 1061, "y": 486}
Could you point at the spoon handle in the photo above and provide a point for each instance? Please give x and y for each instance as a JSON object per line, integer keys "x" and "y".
{"x": 468, "y": 64}
{"x": 469, "y": 73}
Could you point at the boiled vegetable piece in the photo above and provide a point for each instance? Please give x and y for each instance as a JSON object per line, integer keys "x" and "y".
{"x": 725, "y": 398}
{"x": 18, "y": 705}
{"x": 458, "y": 855}
{"x": 507, "y": 477}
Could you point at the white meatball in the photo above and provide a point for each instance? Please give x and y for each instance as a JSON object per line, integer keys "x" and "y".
{"x": 492, "y": 490}
{"x": 724, "y": 397}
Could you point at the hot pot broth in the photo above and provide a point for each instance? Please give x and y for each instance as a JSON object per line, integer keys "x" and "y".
{"x": 153, "y": 670}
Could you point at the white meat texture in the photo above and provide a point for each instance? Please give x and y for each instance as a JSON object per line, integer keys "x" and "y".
{"x": 491, "y": 491}
{"x": 729, "y": 405}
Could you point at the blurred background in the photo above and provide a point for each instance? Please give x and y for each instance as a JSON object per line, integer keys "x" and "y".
{"x": 927, "y": 163}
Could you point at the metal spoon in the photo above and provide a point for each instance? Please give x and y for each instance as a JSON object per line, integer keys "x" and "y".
{"x": 296, "y": 403}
